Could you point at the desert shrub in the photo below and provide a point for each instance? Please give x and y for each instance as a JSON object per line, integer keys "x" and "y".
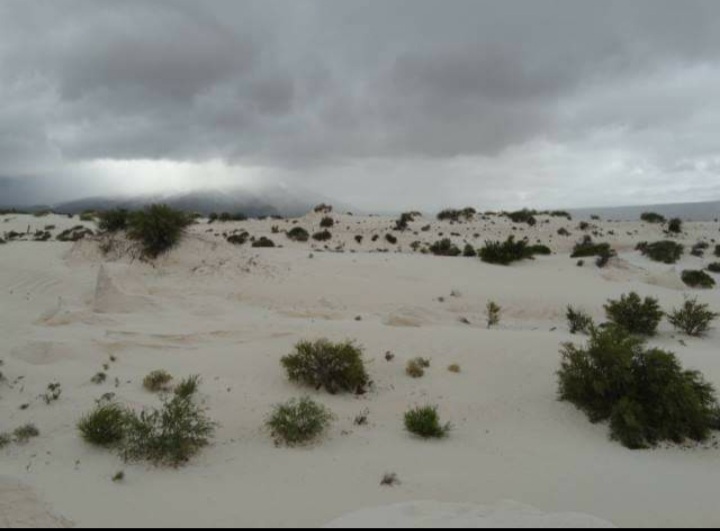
{"x": 504, "y": 253}
{"x": 88, "y": 215}
{"x": 227, "y": 216}
{"x": 699, "y": 249}
{"x": 24, "y": 433}
{"x": 391, "y": 239}
{"x": 578, "y": 321}
{"x": 322, "y": 208}
{"x": 675, "y": 226}
{"x": 425, "y": 422}
{"x": 263, "y": 241}
{"x": 157, "y": 381}
{"x": 334, "y": 366}
{"x": 645, "y": 394}
{"x": 587, "y": 247}
{"x": 298, "y": 421}
{"x": 522, "y": 216}
{"x": 714, "y": 267}
{"x": 444, "y": 247}
{"x": 238, "y": 239}
{"x": 562, "y": 231}
{"x": 469, "y": 251}
{"x": 401, "y": 223}
{"x": 693, "y": 318}
{"x": 455, "y": 368}
{"x": 652, "y": 217}
{"x": 327, "y": 222}
{"x": 492, "y": 312}
{"x": 583, "y": 225}
{"x": 187, "y": 387}
{"x": 666, "y": 251}
{"x": 415, "y": 367}
{"x": 5, "y": 440}
{"x": 451, "y": 214}
{"x": 170, "y": 435}
{"x": 358, "y": 238}
{"x": 158, "y": 228}
{"x": 104, "y": 426}
{"x": 717, "y": 251}
{"x": 114, "y": 220}
{"x": 298, "y": 234}
{"x": 635, "y": 315}
{"x": 539, "y": 249}
{"x": 697, "y": 278}
{"x": 74, "y": 234}
{"x": 99, "y": 378}
{"x": 322, "y": 236}
{"x": 2, "y": 241}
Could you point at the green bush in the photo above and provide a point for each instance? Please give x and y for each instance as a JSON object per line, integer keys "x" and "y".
{"x": 298, "y": 421}
{"x": 263, "y": 241}
{"x": 104, "y": 426}
{"x": 587, "y": 247}
{"x": 115, "y": 220}
{"x": 298, "y": 234}
{"x": 322, "y": 236}
{"x": 327, "y": 222}
{"x": 635, "y": 315}
{"x": 717, "y": 251}
{"x": 504, "y": 253}
{"x": 334, "y": 366}
{"x": 645, "y": 394}
{"x": 693, "y": 318}
{"x": 158, "y": 229}
{"x": 238, "y": 239}
{"x": 539, "y": 249}
{"x": 522, "y": 216}
{"x": 675, "y": 226}
{"x": 666, "y": 251}
{"x": 23, "y": 434}
{"x": 697, "y": 278}
{"x": 425, "y": 422}
{"x": 714, "y": 267}
{"x": 401, "y": 223}
{"x": 578, "y": 321}
{"x": 416, "y": 367}
{"x": 157, "y": 381}
{"x": 170, "y": 435}
{"x": 652, "y": 217}
{"x": 469, "y": 251}
{"x": 450, "y": 214}
{"x": 444, "y": 247}
{"x": 391, "y": 239}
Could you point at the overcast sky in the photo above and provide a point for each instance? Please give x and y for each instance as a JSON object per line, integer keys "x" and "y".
{"x": 380, "y": 104}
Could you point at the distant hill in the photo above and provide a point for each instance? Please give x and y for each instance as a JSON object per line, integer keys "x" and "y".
{"x": 266, "y": 201}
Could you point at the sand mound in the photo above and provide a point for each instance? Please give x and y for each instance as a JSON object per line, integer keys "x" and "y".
{"x": 118, "y": 291}
{"x": 412, "y": 317}
{"x": 20, "y": 507}
{"x": 505, "y": 514}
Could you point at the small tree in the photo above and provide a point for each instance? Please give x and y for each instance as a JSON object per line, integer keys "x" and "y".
{"x": 635, "y": 315}
{"x": 693, "y": 318}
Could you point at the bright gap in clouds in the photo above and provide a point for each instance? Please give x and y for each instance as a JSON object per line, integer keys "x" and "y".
{"x": 142, "y": 176}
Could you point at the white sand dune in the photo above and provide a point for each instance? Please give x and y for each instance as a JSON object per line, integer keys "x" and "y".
{"x": 229, "y": 313}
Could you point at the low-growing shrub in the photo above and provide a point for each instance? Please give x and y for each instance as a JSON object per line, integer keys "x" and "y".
{"x": 645, "y": 394}
{"x": 327, "y": 222}
{"x": 504, "y": 253}
{"x": 697, "y": 278}
{"x": 263, "y": 241}
{"x": 666, "y": 251}
{"x": 298, "y": 421}
{"x": 699, "y": 249}
{"x": 652, "y": 217}
{"x": 170, "y": 435}
{"x": 522, "y": 216}
{"x": 587, "y": 247}
{"x": 104, "y": 426}
{"x": 450, "y": 214}
{"x": 391, "y": 239}
{"x": 469, "y": 251}
{"x": 298, "y": 234}
{"x": 115, "y": 220}
{"x": 334, "y": 366}
{"x": 158, "y": 228}
{"x": 238, "y": 239}
{"x": 635, "y": 315}
{"x": 322, "y": 236}
{"x": 415, "y": 367}
{"x": 23, "y": 434}
{"x": 157, "y": 381}
{"x": 693, "y": 318}
{"x": 578, "y": 321}
{"x": 562, "y": 231}
{"x": 444, "y": 247}
{"x": 425, "y": 422}
{"x": 714, "y": 267}
{"x": 717, "y": 251}
{"x": 455, "y": 368}
{"x": 539, "y": 249}
{"x": 492, "y": 313}
{"x": 675, "y": 226}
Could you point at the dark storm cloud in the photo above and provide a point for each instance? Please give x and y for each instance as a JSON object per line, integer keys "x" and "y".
{"x": 315, "y": 87}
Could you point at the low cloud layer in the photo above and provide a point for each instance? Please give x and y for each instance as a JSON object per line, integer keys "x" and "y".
{"x": 379, "y": 104}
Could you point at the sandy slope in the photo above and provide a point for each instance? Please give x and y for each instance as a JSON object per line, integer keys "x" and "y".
{"x": 230, "y": 313}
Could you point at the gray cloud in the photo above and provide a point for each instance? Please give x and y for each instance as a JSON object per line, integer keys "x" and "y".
{"x": 512, "y": 101}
